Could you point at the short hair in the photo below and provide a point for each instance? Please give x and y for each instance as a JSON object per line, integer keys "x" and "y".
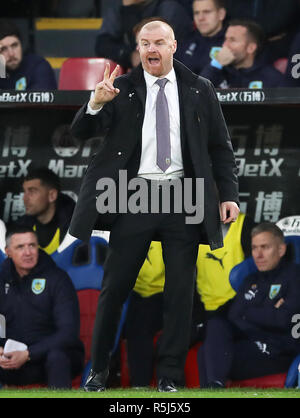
{"x": 137, "y": 28}
{"x": 46, "y": 176}
{"x": 155, "y": 23}
{"x": 220, "y": 4}
{"x": 268, "y": 227}
{"x": 255, "y": 32}
{"x": 9, "y": 28}
{"x": 18, "y": 229}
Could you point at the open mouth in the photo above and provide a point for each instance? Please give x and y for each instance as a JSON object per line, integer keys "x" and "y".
{"x": 153, "y": 60}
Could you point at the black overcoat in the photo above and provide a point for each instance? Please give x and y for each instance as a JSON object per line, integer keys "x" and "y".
{"x": 205, "y": 142}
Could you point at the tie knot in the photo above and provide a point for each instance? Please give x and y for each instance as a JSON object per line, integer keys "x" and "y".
{"x": 162, "y": 82}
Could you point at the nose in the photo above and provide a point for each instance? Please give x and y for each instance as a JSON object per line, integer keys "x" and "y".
{"x": 152, "y": 48}
{"x": 27, "y": 250}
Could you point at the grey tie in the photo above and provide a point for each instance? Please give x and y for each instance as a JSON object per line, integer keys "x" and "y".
{"x": 163, "y": 158}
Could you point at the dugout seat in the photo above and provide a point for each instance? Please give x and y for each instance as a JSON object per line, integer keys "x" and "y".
{"x": 83, "y": 73}
{"x": 2, "y": 241}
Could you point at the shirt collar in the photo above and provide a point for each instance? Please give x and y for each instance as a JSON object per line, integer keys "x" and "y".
{"x": 151, "y": 80}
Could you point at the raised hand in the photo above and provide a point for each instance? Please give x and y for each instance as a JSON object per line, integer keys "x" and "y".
{"x": 105, "y": 90}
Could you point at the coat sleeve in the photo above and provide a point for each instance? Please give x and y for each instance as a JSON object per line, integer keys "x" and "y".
{"x": 85, "y": 126}
{"x": 221, "y": 151}
{"x": 268, "y": 316}
{"x": 65, "y": 317}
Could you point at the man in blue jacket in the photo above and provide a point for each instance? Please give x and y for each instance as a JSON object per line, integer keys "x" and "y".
{"x": 206, "y": 40}
{"x": 40, "y": 308}
{"x": 23, "y": 71}
{"x": 240, "y": 62}
{"x": 256, "y": 338}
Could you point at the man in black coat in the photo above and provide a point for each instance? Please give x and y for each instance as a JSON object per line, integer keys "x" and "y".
{"x": 200, "y": 149}
{"x": 40, "y": 307}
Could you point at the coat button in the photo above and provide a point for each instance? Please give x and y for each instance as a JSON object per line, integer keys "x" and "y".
{"x": 119, "y": 153}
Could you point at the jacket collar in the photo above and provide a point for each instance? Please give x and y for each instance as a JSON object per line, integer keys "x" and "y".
{"x": 183, "y": 74}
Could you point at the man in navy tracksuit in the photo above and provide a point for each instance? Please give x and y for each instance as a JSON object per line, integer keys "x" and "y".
{"x": 241, "y": 62}
{"x": 206, "y": 40}
{"x": 23, "y": 71}
{"x": 256, "y": 338}
{"x": 40, "y": 307}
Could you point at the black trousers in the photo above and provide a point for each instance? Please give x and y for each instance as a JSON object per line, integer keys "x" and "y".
{"x": 144, "y": 319}
{"x": 56, "y": 370}
{"x": 225, "y": 355}
{"x": 130, "y": 239}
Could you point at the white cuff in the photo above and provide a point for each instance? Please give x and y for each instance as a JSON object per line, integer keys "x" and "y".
{"x": 91, "y": 111}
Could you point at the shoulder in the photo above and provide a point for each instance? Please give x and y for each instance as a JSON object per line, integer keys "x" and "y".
{"x": 292, "y": 270}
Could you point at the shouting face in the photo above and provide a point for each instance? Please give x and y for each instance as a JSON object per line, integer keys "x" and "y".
{"x": 157, "y": 45}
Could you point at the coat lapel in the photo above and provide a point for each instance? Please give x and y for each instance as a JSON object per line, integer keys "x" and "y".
{"x": 136, "y": 77}
{"x": 188, "y": 100}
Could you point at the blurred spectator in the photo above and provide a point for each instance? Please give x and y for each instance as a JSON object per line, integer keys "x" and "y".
{"x": 275, "y": 16}
{"x": 188, "y": 5}
{"x": 74, "y": 8}
{"x": 208, "y": 36}
{"x": 255, "y": 339}
{"x": 116, "y": 39}
{"x": 278, "y": 18}
{"x": 239, "y": 63}
{"x": 213, "y": 267}
{"x": 293, "y": 67}
{"x": 48, "y": 211}
{"x": 23, "y": 71}
{"x": 46, "y": 321}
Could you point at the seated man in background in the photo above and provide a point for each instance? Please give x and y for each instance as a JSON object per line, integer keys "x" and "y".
{"x": 240, "y": 62}
{"x": 255, "y": 339}
{"x": 48, "y": 211}
{"x": 116, "y": 39}
{"x": 208, "y": 36}
{"x": 23, "y": 71}
{"x": 46, "y": 322}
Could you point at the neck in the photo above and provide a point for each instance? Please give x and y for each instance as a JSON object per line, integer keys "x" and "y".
{"x": 22, "y": 272}
{"x": 246, "y": 63}
{"x": 47, "y": 216}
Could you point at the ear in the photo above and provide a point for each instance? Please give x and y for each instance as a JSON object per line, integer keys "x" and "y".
{"x": 52, "y": 196}
{"x": 222, "y": 14}
{"x": 174, "y": 47}
{"x": 282, "y": 249}
{"x": 251, "y": 48}
{"x": 7, "y": 252}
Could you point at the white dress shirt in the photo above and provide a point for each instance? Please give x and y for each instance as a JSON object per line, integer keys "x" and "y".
{"x": 148, "y": 167}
